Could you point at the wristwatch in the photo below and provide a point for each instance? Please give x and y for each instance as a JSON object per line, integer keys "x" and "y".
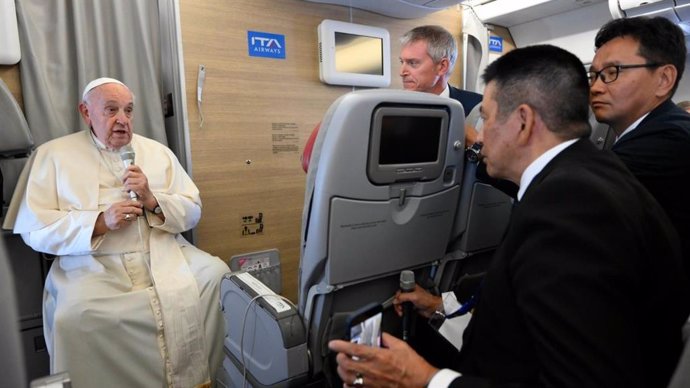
{"x": 157, "y": 210}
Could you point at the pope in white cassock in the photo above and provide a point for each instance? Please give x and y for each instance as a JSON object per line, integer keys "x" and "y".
{"x": 128, "y": 302}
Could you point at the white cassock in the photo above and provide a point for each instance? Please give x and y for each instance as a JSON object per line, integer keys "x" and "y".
{"x": 138, "y": 306}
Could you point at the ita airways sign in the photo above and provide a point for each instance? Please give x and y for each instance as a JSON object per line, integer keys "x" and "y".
{"x": 264, "y": 44}
{"x": 496, "y": 44}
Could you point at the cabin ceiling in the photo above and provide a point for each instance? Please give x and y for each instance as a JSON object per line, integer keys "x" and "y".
{"x": 505, "y": 13}
{"x": 402, "y": 9}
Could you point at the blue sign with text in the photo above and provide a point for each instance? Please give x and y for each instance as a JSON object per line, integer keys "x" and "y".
{"x": 496, "y": 44}
{"x": 264, "y": 44}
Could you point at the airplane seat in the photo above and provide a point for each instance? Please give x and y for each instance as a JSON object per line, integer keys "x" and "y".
{"x": 602, "y": 135}
{"x": 27, "y": 266}
{"x": 12, "y": 356}
{"x": 482, "y": 217}
{"x": 16, "y": 146}
{"x": 381, "y": 196}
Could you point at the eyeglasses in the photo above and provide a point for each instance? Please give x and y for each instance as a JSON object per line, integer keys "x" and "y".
{"x": 610, "y": 73}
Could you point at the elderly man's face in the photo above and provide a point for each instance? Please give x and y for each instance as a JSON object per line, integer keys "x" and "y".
{"x": 418, "y": 71}
{"x": 108, "y": 111}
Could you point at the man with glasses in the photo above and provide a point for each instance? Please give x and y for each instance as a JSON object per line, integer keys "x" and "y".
{"x": 635, "y": 72}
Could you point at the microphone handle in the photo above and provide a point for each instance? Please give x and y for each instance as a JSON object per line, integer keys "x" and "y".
{"x": 408, "y": 310}
{"x": 132, "y": 194}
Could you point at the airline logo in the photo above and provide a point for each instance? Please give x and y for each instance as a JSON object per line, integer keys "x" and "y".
{"x": 496, "y": 44}
{"x": 264, "y": 44}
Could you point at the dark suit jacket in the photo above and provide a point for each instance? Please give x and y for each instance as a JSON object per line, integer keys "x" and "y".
{"x": 657, "y": 152}
{"x": 586, "y": 288}
{"x": 468, "y": 99}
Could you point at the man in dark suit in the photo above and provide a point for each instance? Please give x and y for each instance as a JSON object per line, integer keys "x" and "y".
{"x": 586, "y": 288}
{"x": 635, "y": 72}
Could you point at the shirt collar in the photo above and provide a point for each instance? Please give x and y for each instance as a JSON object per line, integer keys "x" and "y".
{"x": 101, "y": 146}
{"x": 631, "y": 127}
{"x": 445, "y": 92}
{"x": 538, "y": 164}
{"x": 97, "y": 142}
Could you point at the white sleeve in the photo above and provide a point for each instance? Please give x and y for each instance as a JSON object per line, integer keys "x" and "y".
{"x": 443, "y": 378}
{"x": 450, "y": 303}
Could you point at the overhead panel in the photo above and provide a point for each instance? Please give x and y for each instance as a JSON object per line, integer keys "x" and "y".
{"x": 403, "y": 9}
{"x": 508, "y": 13}
{"x": 632, "y": 8}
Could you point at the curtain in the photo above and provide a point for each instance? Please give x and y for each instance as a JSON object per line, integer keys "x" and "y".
{"x": 67, "y": 43}
{"x": 473, "y": 63}
{"x": 475, "y": 50}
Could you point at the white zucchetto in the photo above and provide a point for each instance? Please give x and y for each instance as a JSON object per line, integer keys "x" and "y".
{"x": 98, "y": 82}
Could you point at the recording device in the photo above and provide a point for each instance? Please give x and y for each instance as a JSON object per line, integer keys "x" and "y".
{"x": 127, "y": 156}
{"x": 364, "y": 325}
{"x": 407, "y": 285}
{"x": 473, "y": 153}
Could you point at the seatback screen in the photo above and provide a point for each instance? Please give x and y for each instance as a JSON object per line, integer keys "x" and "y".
{"x": 407, "y": 143}
{"x": 409, "y": 139}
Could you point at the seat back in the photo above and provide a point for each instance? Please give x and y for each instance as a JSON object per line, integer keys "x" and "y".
{"x": 12, "y": 369}
{"x": 602, "y": 135}
{"x": 382, "y": 192}
{"x": 482, "y": 217}
{"x": 15, "y": 147}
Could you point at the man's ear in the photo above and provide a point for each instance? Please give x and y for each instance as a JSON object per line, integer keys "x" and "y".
{"x": 526, "y": 121}
{"x": 443, "y": 66}
{"x": 668, "y": 74}
{"x": 84, "y": 112}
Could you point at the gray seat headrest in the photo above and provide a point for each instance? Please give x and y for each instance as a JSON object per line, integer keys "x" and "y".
{"x": 14, "y": 130}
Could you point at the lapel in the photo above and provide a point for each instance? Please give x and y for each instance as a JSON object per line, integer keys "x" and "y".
{"x": 579, "y": 147}
{"x": 663, "y": 113}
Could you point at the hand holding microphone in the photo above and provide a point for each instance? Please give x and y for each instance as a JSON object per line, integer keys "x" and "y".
{"x": 136, "y": 182}
{"x": 424, "y": 302}
{"x": 134, "y": 179}
{"x": 407, "y": 284}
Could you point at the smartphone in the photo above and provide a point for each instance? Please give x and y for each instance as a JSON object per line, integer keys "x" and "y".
{"x": 364, "y": 325}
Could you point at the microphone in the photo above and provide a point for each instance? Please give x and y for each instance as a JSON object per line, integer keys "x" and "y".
{"x": 407, "y": 285}
{"x": 127, "y": 156}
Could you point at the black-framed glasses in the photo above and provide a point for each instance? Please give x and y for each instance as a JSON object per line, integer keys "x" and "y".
{"x": 610, "y": 73}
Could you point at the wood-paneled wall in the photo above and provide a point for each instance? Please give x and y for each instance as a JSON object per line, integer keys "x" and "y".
{"x": 10, "y": 75}
{"x": 245, "y": 98}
